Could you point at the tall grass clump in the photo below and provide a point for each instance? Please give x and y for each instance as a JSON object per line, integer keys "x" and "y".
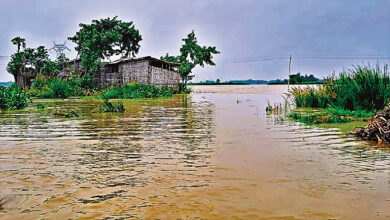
{"x": 12, "y": 98}
{"x": 136, "y": 91}
{"x": 363, "y": 87}
{"x": 111, "y": 106}
{"x": 61, "y": 88}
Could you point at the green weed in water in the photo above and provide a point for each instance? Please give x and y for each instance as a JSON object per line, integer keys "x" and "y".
{"x": 12, "y": 98}
{"x": 111, "y": 106}
{"x": 329, "y": 116}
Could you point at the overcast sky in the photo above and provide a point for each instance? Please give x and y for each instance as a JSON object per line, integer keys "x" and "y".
{"x": 249, "y": 34}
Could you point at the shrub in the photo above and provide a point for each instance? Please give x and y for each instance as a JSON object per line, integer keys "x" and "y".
{"x": 61, "y": 88}
{"x": 12, "y": 97}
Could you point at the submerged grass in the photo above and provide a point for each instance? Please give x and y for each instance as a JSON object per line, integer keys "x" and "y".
{"x": 111, "y": 106}
{"x": 329, "y": 116}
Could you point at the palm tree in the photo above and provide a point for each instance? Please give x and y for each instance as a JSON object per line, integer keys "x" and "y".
{"x": 19, "y": 42}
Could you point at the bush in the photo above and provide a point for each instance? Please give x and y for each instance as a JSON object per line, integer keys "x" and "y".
{"x": 61, "y": 88}
{"x": 136, "y": 91}
{"x": 360, "y": 88}
{"x": 12, "y": 98}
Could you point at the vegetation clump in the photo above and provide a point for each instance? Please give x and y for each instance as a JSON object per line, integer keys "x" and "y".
{"x": 331, "y": 115}
{"x": 61, "y": 88}
{"x": 360, "y": 88}
{"x": 11, "y": 98}
{"x": 136, "y": 91}
{"x": 111, "y": 106}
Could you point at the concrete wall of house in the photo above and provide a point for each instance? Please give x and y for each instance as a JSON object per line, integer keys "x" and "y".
{"x": 140, "y": 71}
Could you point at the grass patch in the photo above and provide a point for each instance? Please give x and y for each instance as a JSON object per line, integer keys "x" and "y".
{"x": 136, "y": 91}
{"x": 330, "y": 116}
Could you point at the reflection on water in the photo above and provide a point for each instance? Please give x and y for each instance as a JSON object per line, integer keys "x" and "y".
{"x": 77, "y": 167}
{"x": 204, "y": 156}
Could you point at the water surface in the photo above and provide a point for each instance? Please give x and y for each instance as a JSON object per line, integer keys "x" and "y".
{"x": 209, "y": 155}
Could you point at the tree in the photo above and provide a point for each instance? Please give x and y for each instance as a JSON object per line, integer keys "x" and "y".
{"x": 104, "y": 38}
{"x": 191, "y": 55}
{"x": 19, "y": 42}
{"x": 26, "y": 59}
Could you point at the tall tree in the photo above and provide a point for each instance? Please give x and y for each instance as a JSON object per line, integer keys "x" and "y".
{"x": 191, "y": 55}
{"x": 104, "y": 38}
{"x": 19, "y": 42}
{"x": 31, "y": 59}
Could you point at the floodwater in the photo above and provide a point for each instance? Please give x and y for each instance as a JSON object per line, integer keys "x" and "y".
{"x": 208, "y": 155}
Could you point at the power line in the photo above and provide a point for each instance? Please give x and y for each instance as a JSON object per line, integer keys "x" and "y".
{"x": 259, "y": 59}
{"x": 256, "y": 60}
{"x": 345, "y": 58}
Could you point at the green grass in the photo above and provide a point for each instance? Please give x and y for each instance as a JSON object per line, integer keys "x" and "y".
{"x": 61, "y": 88}
{"x": 136, "y": 91}
{"x": 111, "y": 106}
{"x": 363, "y": 87}
{"x": 330, "y": 116}
{"x": 12, "y": 98}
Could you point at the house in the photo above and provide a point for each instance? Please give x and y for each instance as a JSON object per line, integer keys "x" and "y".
{"x": 144, "y": 70}
{"x": 74, "y": 64}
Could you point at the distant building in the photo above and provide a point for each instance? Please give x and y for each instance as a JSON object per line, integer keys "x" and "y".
{"x": 74, "y": 64}
{"x": 144, "y": 70}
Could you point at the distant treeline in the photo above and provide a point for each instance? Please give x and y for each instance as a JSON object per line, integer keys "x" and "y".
{"x": 294, "y": 79}
{"x": 5, "y": 83}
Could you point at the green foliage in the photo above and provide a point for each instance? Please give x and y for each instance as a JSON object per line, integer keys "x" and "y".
{"x": 40, "y": 106}
{"x": 191, "y": 55}
{"x": 26, "y": 59}
{"x": 332, "y": 115}
{"x": 360, "y": 88}
{"x": 19, "y": 43}
{"x": 104, "y": 38}
{"x": 53, "y": 68}
{"x": 303, "y": 79}
{"x": 61, "y": 88}
{"x": 111, "y": 106}
{"x": 136, "y": 91}
{"x": 12, "y": 98}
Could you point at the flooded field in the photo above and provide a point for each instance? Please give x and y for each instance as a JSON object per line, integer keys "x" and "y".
{"x": 214, "y": 155}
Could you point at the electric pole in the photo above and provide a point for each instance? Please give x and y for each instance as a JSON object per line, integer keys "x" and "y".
{"x": 289, "y": 72}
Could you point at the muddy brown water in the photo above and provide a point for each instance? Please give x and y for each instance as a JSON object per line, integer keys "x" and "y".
{"x": 208, "y": 155}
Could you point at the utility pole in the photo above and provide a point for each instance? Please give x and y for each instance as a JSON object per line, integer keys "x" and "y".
{"x": 289, "y": 72}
